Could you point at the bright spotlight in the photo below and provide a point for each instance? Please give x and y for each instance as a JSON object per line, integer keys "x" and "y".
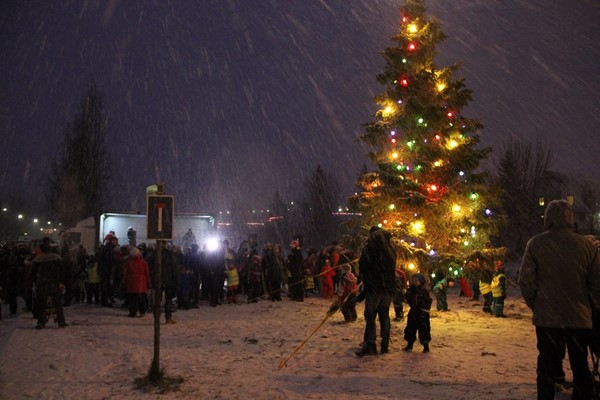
{"x": 212, "y": 244}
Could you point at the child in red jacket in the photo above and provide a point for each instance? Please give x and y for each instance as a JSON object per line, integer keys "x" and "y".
{"x": 327, "y": 274}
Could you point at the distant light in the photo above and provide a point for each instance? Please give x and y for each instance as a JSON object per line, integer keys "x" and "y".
{"x": 488, "y": 212}
{"x": 5, "y": 209}
{"x": 49, "y": 223}
{"x": 35, "y": 220}
{"x": 20, "y": 216}
{"x": 461, "y": 173}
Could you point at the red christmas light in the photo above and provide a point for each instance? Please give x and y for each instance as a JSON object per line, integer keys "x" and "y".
{"x": 412, "y": 46}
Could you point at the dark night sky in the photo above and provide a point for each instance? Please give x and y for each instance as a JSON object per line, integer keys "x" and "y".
{"x": 232, "y": 99}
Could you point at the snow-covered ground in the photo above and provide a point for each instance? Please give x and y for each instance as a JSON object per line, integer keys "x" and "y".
{"x": 235, "y": 351}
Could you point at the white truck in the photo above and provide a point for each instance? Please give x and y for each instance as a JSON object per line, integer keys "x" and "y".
{"x": 202, "y": 227}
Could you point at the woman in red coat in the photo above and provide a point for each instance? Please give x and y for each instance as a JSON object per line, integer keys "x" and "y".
{"x": 136, "y": 281}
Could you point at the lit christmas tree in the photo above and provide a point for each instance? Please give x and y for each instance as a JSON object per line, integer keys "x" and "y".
{"x": 427, "y": 189}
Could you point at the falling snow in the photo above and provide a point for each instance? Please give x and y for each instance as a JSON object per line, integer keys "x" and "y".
{"x": 227, "y": 100}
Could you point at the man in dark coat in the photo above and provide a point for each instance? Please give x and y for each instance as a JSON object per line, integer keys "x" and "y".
{"x": 560, "y": 281}
{"x": 377, "y": 266}
{"x": 193, "y": 264}
{"x": 296, "y": 268}
{"x": 49, "y": 274}
{"x": 213, "y": 263}
{"x": 272, "y": 268}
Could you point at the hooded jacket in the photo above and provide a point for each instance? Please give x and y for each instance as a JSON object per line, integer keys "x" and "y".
{"x": 560, "y": 273}
{"x": 377, "y": 264}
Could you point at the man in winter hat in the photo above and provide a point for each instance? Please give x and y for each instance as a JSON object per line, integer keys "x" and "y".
{"x": 560, "y": 281}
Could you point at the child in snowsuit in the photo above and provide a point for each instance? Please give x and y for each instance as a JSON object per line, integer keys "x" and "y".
{"x": 327, "y": 274}
{"x": 419, "y": 300}
{"x": 485, "y": 288}
{"x": 398, "y": 299}
{"x": 498, "y": 290}
{"x": 440, "y": 291}
{"x": 233, "y": 280}
{"x": 347, "y": 291}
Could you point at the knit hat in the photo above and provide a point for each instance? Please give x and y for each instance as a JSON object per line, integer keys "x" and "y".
{"x": 420, "y": 278}
{"x": 134, "y": 251}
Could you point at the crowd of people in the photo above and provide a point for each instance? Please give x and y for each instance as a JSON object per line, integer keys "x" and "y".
{"x": 123, "y": 274}
{"x": 558, "y": 264}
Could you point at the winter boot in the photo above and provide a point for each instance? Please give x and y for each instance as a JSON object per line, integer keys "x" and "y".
{"x": 368, "y": 349}
{"x": 385, "y": 348}
{"x": 408, "y": 347}
{"x": 426, "y": 348}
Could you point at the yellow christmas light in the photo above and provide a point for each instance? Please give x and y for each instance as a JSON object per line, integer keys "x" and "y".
{"x": 441, "y": 86}
{"x": 388, "y": 111}
{"x": 417, "y": 227}
{"x": 411, "y": 266}
{"x": 412, "y": 28}
{"x": 438, "y": 163}
{"x": 451, "y": 144}
{"x": 456, "y": 209}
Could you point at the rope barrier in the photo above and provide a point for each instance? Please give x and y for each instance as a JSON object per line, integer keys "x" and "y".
{"x": 332, "y": 310}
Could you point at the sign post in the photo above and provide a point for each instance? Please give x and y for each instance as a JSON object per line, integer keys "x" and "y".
{"x": 159, "y": 213}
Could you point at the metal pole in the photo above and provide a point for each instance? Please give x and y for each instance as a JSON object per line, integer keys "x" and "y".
{"x": 154, "y": 373}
